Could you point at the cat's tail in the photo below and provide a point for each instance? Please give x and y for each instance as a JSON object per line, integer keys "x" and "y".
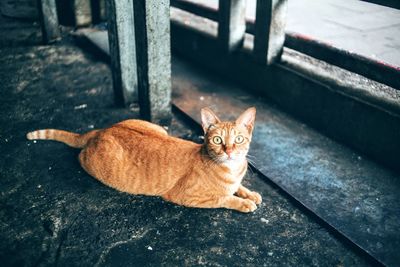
{"x": 72, "y": 139}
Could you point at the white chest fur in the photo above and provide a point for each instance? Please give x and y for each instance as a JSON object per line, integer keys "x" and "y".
{"x": 234, "y": 166}
{"x": 236, "y": 174}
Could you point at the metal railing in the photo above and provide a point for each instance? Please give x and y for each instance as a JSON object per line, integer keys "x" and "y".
{"x": 370, "y": 68}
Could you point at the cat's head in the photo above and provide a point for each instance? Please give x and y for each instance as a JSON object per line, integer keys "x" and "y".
{"x": 227, "y": 141}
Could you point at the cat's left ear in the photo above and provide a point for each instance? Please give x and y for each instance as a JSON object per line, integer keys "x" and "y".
{"x": 247, "y": 119}
{"x": 208, "y": 118}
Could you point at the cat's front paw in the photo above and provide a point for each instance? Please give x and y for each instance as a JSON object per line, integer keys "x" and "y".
{"x": 247, "y": 205}
{"x": 255, "y": 197}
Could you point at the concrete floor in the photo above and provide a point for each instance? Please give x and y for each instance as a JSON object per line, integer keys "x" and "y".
{"x": 49, "y": 203}
{"x": 53, "y": 213}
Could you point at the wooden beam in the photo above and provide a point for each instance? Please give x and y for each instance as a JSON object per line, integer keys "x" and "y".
{"x": 122, "y": 50}
{"x": 231, "y": 24}
{"x": 49, "y": 20}
{"x": 269, "y": 33}
{"x": 153, "y": 49}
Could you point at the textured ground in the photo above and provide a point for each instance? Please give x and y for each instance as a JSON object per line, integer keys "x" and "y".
{"x": 53, "y": 213}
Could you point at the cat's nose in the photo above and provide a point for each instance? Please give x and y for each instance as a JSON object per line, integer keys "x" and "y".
{"x": 228, "y": 151}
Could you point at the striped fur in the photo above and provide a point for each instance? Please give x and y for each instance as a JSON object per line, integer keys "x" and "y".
{"x": 71, "y": 139}
{"x": 139, "y": 157}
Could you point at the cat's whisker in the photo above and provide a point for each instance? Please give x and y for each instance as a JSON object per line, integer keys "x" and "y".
{"x": 251, "y": 170}
{"x": 251, "y": 156}
{"x": 250, "y": 160}
{"x": 252, "y": 163}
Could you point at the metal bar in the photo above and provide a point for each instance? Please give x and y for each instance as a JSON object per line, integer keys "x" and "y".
{"x": 82, "y": 12}
{"x": 49, "y": 20}
{"x": 269, "y": 34}
{"x": 122, "y": 50}
{"x": 232, "y": 24}
{"x": 152, "y": 26}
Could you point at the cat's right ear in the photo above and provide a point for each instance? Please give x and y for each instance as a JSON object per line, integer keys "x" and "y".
{"x": 247, "y": 119}
{"x": 208, "y": 118}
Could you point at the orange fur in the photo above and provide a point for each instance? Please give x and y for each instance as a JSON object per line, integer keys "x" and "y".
{"x": 139, "y": 157}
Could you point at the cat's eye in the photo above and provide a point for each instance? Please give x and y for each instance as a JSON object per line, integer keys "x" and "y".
{"x": 217, "y": 140}
{"x": 239, "y": 139}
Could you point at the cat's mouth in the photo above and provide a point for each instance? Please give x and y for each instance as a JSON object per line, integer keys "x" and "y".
{"x": 222, "y": 158}
{"x": 230, "y": 158}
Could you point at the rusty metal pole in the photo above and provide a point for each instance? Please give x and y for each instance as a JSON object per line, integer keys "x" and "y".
{"x": 121, "y": 37}
{"x": 153, "y": 50}
{"x": 231, "y": 24}
{"x": 48, "y": 20}
{"x": 269, "y": 33}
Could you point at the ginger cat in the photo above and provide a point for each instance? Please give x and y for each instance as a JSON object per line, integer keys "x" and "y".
{"x": 139, "y": 157}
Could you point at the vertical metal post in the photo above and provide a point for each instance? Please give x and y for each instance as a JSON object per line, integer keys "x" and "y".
{"x": 121, "y": 37}
{"x": 231, "y": 24}
{"x": 82, "y": 12}
{"x": 48, "y": 20}
{"x": 269, "y": 33}
{"x": 153, "y": 50}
